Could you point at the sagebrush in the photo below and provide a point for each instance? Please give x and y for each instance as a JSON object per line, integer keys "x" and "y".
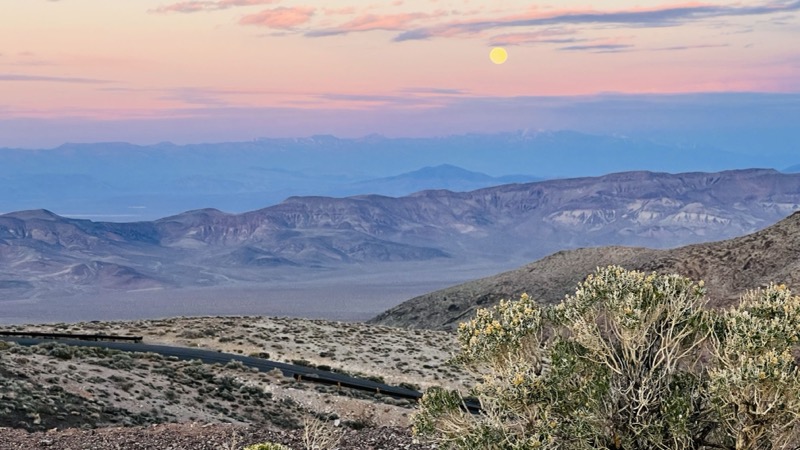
{"x": 630, "y": 361}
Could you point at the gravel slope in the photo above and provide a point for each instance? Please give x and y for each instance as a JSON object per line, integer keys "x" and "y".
{"x": 195, "y": 436}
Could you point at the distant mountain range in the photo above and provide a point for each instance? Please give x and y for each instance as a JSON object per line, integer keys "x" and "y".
{"x": 42, "y": 253}
{"x": 728, "y": 267}
{"x": 125, "y": 182}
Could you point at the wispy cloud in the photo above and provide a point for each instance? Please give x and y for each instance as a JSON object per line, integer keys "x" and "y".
{"x": 203, "y": 5}
{"x": 24, "y": 59}
{"x": 195, "y": 97}
{"x": 435, "y": 91}
{"x": 687, "y": 47}
{"x": 206, "y": 96}
{"x": 21, "y": 77}
{"x": 662, "y": 16}
{"x": 371, "y": 22}
{"x": 619, "y": 48}
{"x": 548, "y": 35}
{"x": 599, "y": 48}
{"x": 361, "y": 97}
{"x": 280, "y": 18}
{"x": 783, "y": 20}
{"x": 371, "y": 100}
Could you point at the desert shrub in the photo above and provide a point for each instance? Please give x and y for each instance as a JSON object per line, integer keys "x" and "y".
{"x": 121, "y": 361}
{"x": 409, "y": 386}
{"x": 320, "y": 435}
{"x": 756, "y": 384}
{"x": 61, "y": 352}
{"x": 630, "y": 361}
{"x": 375, "y": 378}
{"x": 267, "y": 446}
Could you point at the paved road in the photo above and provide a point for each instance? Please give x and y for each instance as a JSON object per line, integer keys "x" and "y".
{"x": 263, "y": 365}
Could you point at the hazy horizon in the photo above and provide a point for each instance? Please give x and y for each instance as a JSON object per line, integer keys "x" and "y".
{"x": 197, "y": 71}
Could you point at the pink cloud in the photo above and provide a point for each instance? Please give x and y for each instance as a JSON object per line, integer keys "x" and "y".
{"x": 282, "y": 17}
{"x": 371, "y": 22}
{"x": 346, "y": 11}
{"x": 207, "y": 5}
{"x": 382, "y": 22}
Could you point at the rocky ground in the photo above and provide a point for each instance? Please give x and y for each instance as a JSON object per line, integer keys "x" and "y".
{"x": 194, "y": 436}
{"x": 55, "y": 396}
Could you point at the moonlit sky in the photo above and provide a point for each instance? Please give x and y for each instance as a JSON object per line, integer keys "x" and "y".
{"x": 146, "y": 71}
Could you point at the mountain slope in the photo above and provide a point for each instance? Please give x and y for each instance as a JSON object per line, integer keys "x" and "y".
{"x": 728, "y": 267}
{"x": 495, "y": 227}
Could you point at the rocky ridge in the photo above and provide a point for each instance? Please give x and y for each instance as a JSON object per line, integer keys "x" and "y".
{"x": 728, "y": 268}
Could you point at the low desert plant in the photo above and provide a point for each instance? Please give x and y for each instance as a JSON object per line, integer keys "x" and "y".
{"x": 267, "y": 446}
{"x": 756, "y": 383}
{"x": 630, "y": 361}
{"x": 320, "y": 435}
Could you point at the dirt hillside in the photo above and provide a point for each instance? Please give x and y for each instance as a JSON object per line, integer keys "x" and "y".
{"x": 728, "y": 268}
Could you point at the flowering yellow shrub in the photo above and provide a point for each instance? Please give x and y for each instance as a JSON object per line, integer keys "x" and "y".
{"x": 500, "y": 329}
{"x": 630, "y": 361}
{"x": 755, "y": 383}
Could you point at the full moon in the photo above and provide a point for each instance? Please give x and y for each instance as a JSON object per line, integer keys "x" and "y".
{"x": 498, "y": 55}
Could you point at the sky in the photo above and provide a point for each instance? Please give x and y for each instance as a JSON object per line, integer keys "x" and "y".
{"x": 147, "y": 71}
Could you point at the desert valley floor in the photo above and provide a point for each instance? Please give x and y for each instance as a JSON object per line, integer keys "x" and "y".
{"x": 352, "y": 294}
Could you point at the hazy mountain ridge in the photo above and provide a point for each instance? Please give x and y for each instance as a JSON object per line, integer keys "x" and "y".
{"x": 516, "y": 222}
{"x": 444, "y": 176}
{"x": 728, "y": 268}
{"x": 119, "y": 181}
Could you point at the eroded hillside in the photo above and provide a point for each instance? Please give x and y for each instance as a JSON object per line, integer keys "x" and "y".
{"x": 728, "y": 268}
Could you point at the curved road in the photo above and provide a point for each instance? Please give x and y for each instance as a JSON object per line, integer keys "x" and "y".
{"x": 263, "y": 365}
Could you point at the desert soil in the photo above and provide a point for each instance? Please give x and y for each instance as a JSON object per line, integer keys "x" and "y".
{"x": 194, "y": 436}
{"x": 96, "y": 398}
